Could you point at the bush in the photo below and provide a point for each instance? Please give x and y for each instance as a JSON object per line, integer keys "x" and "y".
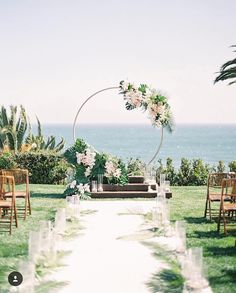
{"x": 160, "y": 170}
{"x": 184, "y": 173}
{"x": 220, "y": 168}
{"x": 199, "y": 173}
{"x": 232, "y": 166}
{"x": 170, "y": 171}
{"x": 7, "y": 161}
{"x": 193, "y": 172}
{"x": 135, "y": 167}
{"x": 44, "y": 167}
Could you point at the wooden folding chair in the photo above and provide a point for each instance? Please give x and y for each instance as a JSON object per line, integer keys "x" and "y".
{"x": 214, "y": 184}
{"x": 21, "y": 177}
{"x": 7, "y": 185}
{"x": 227, "y": 213}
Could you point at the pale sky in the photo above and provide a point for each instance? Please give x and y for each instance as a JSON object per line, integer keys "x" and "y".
{"x": 55, "y": 53}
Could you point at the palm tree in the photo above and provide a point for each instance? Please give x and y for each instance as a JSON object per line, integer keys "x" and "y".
{"x": 39, "y": 142}
{"x": 227, "y": 71}
{"x": 13, "y": 127}
{"x": 16, "y": 132}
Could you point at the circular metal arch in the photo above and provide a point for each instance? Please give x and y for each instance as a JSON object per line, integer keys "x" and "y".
{"x": 98, "y": 92}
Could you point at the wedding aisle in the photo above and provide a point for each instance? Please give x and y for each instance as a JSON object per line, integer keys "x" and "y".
{"x": 100, "y": 261}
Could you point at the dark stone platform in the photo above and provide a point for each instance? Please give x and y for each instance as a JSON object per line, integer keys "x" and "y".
{"x": 136, "y": 188}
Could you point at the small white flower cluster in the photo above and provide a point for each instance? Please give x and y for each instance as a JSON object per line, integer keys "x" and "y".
{"x": 132, "y": 96}
{"x": 87, "y": 158}
{"x": 34, "y": 145}
{"x": 158, "y": 111}
{"x": 112, "y": 169}
{"x": 81, "y": 188}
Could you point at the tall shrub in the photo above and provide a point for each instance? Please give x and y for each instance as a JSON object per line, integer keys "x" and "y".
{"x": 44, "y": 167}
{"x": 199, "y": 173}
{"x": 232, "y": 166}
{"x": 184, "y": 173}
{"x": 7, "y": 160}
{"x": 220, "y": 167}
{"x": 170, "y": 171}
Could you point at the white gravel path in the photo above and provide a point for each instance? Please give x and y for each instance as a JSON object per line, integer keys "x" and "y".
{"x": 100, "y": 262}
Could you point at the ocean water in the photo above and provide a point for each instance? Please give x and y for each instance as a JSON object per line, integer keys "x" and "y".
{"x": 208, "y": 142}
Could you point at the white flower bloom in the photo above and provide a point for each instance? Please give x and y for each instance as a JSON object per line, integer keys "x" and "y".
{"x": 34, "y": 145}
{"x": 78, "y": 156}
{"x": 125, "y": 86}
{"x": 87, "y": 158}
{"x": 117, "y": 173}
{"x": 112, "y": 170}
{"x": 148, "y": 93}
{"x": 73, "y": 184}
{"x": 134, "y": 98}
{"x": 87, "y": 172}
{"x": 86, "y": 187}
{"x": 80, "y": 188}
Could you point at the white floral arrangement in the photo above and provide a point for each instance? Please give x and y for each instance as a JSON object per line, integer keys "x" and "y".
{"x": 87, "y": 164}
{"x": 86, "y": 158}
{"x": 112, "y": 169}
{"x": 147, "y": 99}
{"x": 82, "y": 190}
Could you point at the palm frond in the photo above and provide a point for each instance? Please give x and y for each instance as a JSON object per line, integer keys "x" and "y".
{"x": 50, "y": 144}
{"x": 226, "y": 74}
{"x": 2, "y": 140}
{"x": 4, "y": 118}
{"x": 39, "y": 127}
{"x": 227, "y": 71}
{"x": 227, "y": 64}
{"x": 13, "y": 112}
{"x": 60, "y": 145}
{"x": 20, "y": 134}
{"x": 11, "y": 138}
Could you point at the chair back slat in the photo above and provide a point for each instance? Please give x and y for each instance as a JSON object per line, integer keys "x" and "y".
{"x": 20, "y": 175}
{"x": 229, "y": 187}
{"x": 7, "y": 184}
{"x": 215, "y": 179}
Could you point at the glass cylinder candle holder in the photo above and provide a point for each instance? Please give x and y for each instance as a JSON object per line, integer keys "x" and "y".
{"x": 157, "y": 217}
{"x": 60, "y": 221}
{"x": 195, "y": 255}
{"x": 100, "y": 182}
{"x": 34, "y": 245}
{"x": 75, "y": 199}
{"x": 167, "y": 186}
{"x": 180, "y": 233}
{"x": 94, "y": 186}
{"x": 27, "y": 269}
{"x": 162, "y": 179}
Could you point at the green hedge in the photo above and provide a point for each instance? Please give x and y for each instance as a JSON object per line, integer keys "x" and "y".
{"x": 44, "y": 167}
{"x": 7, "y": 161}
{"x": 47, "y": 167}
{"x": 191, "y": 172}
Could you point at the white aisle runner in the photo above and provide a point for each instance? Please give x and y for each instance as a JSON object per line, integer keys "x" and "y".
{"x": 102, "y": 263}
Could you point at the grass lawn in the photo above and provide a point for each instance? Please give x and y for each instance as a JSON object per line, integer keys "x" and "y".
{"x": 187, "y": 204}
{"x": 219, "y": 251}
{"x": 45, "y": 201}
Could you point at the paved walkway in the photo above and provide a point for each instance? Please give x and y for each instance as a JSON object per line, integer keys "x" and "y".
{"x": 103, "y": 263}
